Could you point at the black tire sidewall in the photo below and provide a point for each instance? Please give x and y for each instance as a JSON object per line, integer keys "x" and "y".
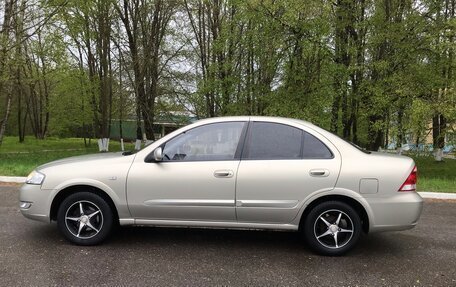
{"x": 312, "y": 217}
{"x": 108, "y": 218}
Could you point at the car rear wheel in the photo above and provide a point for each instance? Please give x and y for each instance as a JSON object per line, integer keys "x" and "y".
{"x": 332, "y": 228}
{"x": 85, "y": 218}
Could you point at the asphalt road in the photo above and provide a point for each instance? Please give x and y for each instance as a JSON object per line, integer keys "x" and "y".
{"x": 33, "y": 253}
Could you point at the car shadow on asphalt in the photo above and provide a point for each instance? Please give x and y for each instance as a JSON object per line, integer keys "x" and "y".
{"x": 377, "y": 243}
{"x": 169, "y": 237}
{"x": 204, "y": 236}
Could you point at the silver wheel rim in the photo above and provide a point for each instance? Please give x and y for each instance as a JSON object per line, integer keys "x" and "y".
{"x": 84, "y": 219}
{"x": 333, "y": 229}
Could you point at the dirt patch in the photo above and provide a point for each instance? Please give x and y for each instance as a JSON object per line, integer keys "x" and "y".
{"x": 439, "y": 200}
{"x": 10, "y": 184}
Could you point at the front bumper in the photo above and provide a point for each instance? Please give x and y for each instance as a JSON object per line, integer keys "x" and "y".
{"x": 399, "y": 212}
{"x": 34, "y": 202}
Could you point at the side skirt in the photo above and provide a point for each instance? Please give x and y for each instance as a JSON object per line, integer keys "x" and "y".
{"x": 208, "y": 224}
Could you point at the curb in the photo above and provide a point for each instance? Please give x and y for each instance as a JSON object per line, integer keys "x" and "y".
{"x": 437, "y": 195}
{"x": 424, "y": 194}
{"x": 13, "y": 179}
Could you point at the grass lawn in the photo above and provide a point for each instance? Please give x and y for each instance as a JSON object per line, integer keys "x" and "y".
{"x": 436, "y": 176}
{"x": 18, "y": 159}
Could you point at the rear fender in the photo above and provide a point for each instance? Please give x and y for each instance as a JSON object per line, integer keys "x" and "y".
{"x": 339, "y": 192}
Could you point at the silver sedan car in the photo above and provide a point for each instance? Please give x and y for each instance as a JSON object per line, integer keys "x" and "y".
{"x": 233, "y": 172}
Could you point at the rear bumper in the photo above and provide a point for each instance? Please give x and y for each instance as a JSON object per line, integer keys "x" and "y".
{"x": 399, "y": 212}
{"x": 34, "y": 202}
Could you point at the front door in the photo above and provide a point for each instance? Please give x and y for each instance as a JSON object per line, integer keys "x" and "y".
{"x": 196, "y": 179}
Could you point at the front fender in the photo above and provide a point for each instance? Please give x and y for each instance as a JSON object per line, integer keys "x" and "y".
{"x": 118, "y": 198}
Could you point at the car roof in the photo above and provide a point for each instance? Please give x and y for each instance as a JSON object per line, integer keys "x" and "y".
{"x": 253, "y": 118}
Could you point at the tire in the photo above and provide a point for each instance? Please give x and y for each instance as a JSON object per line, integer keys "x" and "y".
{"x": 332, "y": 228}
{"x": 90, "y": 226}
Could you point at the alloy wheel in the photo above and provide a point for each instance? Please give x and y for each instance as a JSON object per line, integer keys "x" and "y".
{"x": 84, "y": 219}
{"x": 333, "y": 229}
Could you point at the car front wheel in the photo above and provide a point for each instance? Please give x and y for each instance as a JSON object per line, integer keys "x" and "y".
{"x": 332, "y": 228}
{"x": 85, "y": 218}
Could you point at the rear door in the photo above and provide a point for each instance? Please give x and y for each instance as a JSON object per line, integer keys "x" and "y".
{"x": 281, "y": 165}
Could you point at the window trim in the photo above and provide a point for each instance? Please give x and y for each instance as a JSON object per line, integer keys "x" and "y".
{"x": 237, "y": 154}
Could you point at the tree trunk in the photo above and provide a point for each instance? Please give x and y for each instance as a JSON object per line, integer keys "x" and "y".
{"x": 5, "y": 118}
{"x": 4, "y": 41}
{"x": 342, "y": 62}
{"x": 438, "y": 135}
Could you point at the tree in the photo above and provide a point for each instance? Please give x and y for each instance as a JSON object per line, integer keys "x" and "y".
{"x": 374, "y": 72}
{"x": 5, "y": 36}
{"x": 146, "y": 23}
{"x": 445, "y": 42}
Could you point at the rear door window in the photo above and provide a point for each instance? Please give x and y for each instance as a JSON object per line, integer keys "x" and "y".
{"x": 313, "y": 148}
{"x": 273, "y": 141}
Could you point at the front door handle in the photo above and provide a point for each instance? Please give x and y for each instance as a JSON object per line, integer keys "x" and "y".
{"x": 223, "y": 173}
{"x": 319, "y": 172}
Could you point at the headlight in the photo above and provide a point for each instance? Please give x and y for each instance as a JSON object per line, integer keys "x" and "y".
{"x": 35, "y": 177}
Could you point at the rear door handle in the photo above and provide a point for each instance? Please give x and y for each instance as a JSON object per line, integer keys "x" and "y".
{"x": 319, "y": 172}
{"x": 223, "y": 173}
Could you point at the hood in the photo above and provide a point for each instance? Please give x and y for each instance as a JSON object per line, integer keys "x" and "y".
{"x": 82, "y": 159}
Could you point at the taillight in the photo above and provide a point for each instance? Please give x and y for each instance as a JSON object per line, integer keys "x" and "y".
{"x": 410, "y": 183}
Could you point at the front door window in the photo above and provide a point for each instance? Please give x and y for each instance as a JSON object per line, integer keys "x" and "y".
{"x": 212, "y": 142}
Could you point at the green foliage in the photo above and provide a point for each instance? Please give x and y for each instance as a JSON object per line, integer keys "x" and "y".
{"x": 418, "y": 124}
{"x": 70, "y": 103}
{"x": 374, "y": 72}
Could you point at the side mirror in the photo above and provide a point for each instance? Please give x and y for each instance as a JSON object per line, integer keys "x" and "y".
{"x": 158, "y": 154}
